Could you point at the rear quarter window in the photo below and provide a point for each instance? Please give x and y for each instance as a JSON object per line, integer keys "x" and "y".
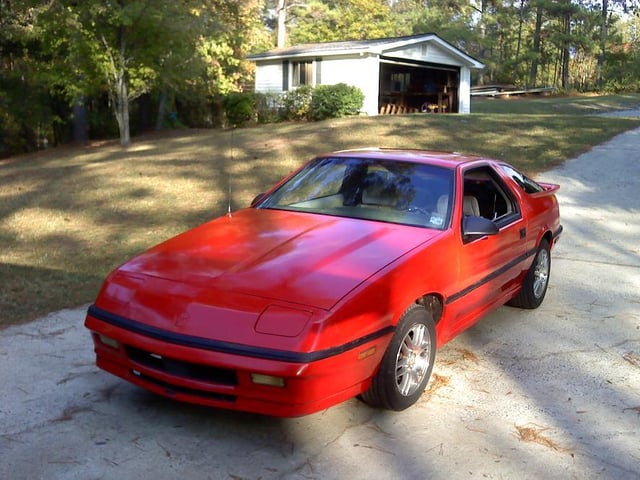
{"x": 524, "y": 182}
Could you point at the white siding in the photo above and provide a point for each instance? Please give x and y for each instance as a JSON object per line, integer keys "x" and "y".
{"x": 437, "y": 54}
{"x": 370, "y": 84}
{"x": 464, "y": 91}
{"x": 360, "y": 71}
{"x": 425, "y": 52}
{"x": 269, "y": 76}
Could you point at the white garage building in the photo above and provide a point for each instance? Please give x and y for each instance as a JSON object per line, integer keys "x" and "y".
{"x": 397, "y": 75}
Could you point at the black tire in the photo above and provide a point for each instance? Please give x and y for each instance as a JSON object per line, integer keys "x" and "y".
{"x": 407, "y": 364}
{"x": 534, "y": 285}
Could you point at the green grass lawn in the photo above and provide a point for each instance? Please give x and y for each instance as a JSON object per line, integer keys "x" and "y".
{"x": 70, "y": 215}
{"x": 564, "y": 105}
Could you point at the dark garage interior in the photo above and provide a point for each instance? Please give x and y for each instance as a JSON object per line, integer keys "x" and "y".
{"x": 420, "y": 87}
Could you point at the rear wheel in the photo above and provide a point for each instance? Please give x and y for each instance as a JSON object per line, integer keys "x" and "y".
{"x": 407, "y": 364}
{"x": 534, "y": 285}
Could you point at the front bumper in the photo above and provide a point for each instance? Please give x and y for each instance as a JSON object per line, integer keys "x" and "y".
{"x": 205, "y": 375}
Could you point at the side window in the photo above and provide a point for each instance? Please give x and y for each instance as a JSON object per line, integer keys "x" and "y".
{"x": 486, "y": 196}
{"x": 524, "y": 182}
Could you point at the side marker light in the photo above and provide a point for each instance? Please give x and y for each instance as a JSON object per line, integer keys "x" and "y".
{"x": 366, "y": 353}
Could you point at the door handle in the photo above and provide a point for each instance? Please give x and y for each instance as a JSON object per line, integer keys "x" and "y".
{"x": 523, "y": 232}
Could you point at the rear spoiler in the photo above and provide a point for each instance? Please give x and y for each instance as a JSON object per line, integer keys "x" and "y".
{"x": 549, "y": 187}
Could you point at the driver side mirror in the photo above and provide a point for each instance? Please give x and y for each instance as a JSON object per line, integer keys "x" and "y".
{"x": 472, "y": 225}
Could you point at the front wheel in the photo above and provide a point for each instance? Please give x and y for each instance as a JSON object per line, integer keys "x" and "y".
{"x": 534, "y": 285}
{"x": 407, "y": 364}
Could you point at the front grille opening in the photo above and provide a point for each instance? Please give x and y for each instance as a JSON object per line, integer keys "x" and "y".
{"x": 188, "y": 370}
{"x": 172, "y": 390}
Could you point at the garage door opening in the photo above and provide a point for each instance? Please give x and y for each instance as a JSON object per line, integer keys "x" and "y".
{"x": 407, "y": 88}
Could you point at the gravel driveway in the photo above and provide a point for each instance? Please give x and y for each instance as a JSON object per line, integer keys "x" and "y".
{"x": 550, "y": 393}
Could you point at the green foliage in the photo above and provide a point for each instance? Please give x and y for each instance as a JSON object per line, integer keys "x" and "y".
{"x": 131, "y": 48}
{"x": 268, "y": 107}
{"x": 193, "y": 108}
{"x": 296, "y": 104}
{"x": 332, "y": 101}
{"x": 228, "y": 31}
{"x": 452, "y": 20}
{"x": 29, "y": 113}
{"x": 239, "y": 108}
{"x": 100, "y": 119}
{"x": 622, "y": 61}
{"x": 622, "y": 72}
{"x": 29, "y": 125}
{"x": 122, "y": 49}
{"x": 306, "y": 103}
{"x": 336, "y": 20}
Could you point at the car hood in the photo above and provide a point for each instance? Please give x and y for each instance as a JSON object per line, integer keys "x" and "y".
{"x": 309, "y": 259}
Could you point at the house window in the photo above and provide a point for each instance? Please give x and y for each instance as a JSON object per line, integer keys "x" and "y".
{"x": 302, "y": 73}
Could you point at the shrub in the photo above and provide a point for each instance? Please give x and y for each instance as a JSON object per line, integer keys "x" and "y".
{"x": 268, "y": 107}
{"x": 239, "y": 108}
{"x": 302, "y": 103}
{"x": 332, "y": 101}
{"x": 296, "y": 104}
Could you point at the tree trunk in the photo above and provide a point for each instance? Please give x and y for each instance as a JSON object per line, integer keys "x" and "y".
{"x": 483, "y": 32}
{"x": 533, "y": 74}
{"x": 281, "y": 10}
{"x": 603, "y": 42}
{"x": 519, "y": 42}
{"x": 122, "y": 91}
{"x": 121, "y": 107}
{"x": 565, "y": 51}
{"x": 162, "y": 106}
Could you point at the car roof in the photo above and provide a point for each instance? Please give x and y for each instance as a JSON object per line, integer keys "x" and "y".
{"x": 428, "y": 157}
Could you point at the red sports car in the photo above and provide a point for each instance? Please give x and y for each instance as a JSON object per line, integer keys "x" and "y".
{"x": 341, "y": 281}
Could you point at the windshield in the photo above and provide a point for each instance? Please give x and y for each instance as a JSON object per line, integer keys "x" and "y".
{"x": 382, "y": 190}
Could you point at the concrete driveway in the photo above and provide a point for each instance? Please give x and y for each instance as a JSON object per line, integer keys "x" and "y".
{"x": 551, "y": 393}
